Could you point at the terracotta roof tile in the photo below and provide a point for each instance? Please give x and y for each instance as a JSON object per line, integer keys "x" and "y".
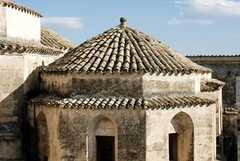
{"x": 6, "y": 3}
{"x": 211, "y": 85}
{"x": 120, "y": 103}
{"x": 123, "y": 49}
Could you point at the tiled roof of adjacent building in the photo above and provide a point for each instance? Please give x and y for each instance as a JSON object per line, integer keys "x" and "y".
{"x": 55, "y": 40}
{"x": 122, "y": 103}
{"x": 211, "y": 85}
{"x": 52, "y": 43}
{"x": 20, "y": 46}
{"x": 123, "y": 49}
{"x": 6, "y": 3}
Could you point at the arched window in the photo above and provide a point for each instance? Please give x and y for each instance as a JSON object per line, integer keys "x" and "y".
{"x": 181, "y": 141}
{"x": 43, "y": 144}
{"x": 102, "y": 139}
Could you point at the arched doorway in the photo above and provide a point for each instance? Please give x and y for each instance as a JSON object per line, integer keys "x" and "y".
{"x": 102, "y": 139}
{"x": 181, "y": 141}
{"x": 43, "y": 144}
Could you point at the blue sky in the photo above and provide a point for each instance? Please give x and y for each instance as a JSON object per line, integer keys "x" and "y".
{"x": 191, "y": 27}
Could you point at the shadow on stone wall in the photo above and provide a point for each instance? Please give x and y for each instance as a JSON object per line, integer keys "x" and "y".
{"x": 14, "y": 131}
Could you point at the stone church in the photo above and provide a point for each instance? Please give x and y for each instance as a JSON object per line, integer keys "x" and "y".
{"x": 121, "y": 95}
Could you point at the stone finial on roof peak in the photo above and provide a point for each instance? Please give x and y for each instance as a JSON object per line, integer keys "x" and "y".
{"x": 123, "y": 21}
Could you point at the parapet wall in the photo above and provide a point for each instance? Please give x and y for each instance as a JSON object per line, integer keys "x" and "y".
{"x": 16, "y": 23}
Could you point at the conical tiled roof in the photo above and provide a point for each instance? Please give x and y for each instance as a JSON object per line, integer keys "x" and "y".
{"x": 123, "y": 49}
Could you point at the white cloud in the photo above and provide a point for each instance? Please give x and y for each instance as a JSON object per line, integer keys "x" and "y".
{"x": 226, "y": 8}
{"x": 64, "y": 22}
{"x": 204, "y": 12}
{"x": 204, "y": 22}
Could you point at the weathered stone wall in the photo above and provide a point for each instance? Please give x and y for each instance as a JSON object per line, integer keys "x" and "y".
{"x": 217, "y": 97}
{"x": 158, "y": 123}
{"x": 3, "y": 22}
{"x": 165, "y": 85}
{"x": 133, "y": 85}
{"x": 69, "y": 134}
{"x": 59, "y": 84}
{"x": 92, "y": 84}
{"x": 108, "y": 85}
{"x": 18, "y": 81}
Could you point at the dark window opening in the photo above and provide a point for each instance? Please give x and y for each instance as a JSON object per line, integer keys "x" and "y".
{"x": 45, "y": 158}
{"x": 173, "y": 150}
{"x": 43, "y": 144}
{"x": 105, "y": 148}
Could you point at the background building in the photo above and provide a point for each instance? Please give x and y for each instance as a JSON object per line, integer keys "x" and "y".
{"x": 24, "y": 46}
{"x": 227, "y": 69}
